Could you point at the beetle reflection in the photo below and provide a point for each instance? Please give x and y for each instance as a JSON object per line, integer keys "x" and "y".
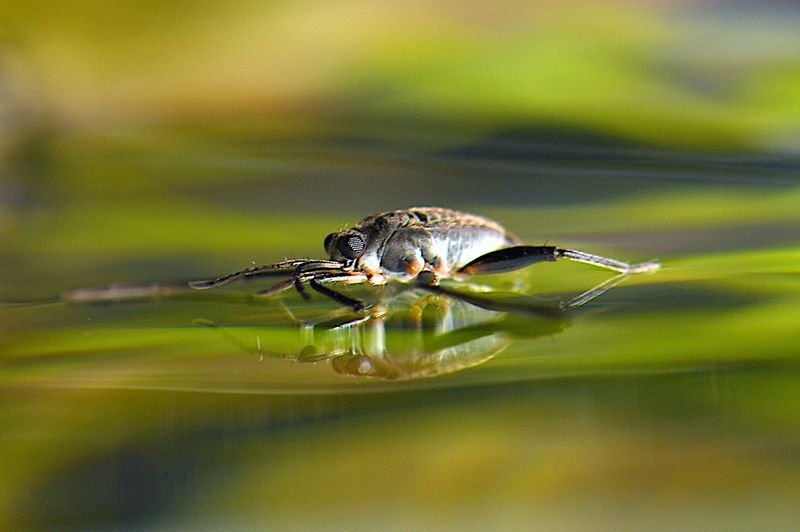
{"x": 418, "y": 335}
{"x": 433, "y": 336}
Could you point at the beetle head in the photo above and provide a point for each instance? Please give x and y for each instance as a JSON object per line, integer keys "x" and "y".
{"x": 345, "y": 246}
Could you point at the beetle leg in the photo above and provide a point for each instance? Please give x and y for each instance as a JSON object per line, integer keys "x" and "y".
{"x": 592, "y": 293}
{"x": 524, "y": 306}
{"x": 356, "y": 304}
{"x": 318, "y": 280}
{"x": 605, "y": 262}
{"x": 334, "y": 277}
{"x": 277, "y": 289}
{"x": 514, "y": 258}
{"x": 509, "y": 259}
{"x": 298, "y": 284}
{"x": 497, "y": 305}
{"x": 414, "y": 265}
{"x": 427, "y": 278}
{"x": 309, "y": 265}
{"x": 326, "y": 275}
{"x": 280, "y": 268}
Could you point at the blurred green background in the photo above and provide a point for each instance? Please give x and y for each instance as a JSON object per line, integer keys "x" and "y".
{"x": 148, "y": 144}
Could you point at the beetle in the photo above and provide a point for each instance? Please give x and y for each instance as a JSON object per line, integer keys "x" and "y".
{"x": 420, "y": 245}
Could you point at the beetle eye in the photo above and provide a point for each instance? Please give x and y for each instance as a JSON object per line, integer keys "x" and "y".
{"x": 327, "y": 243}
{"x": 351, "y": 246}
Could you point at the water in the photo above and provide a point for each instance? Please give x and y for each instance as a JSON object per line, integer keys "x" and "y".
{"x": 668, "y": 401}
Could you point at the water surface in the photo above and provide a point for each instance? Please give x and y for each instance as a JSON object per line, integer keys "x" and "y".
{"x": 670, "y": 400}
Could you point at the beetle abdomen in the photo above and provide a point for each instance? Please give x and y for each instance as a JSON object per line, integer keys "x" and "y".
{"x": 459, "y": 245}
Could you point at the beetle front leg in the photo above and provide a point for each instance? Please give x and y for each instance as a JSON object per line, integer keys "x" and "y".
{"x": 281, "y": 268}
{"x": 318, "y": 283}
{"x": 355, "y": 304}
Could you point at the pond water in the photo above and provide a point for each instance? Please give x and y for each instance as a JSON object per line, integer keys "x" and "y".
{"x": 127, "y": 400}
